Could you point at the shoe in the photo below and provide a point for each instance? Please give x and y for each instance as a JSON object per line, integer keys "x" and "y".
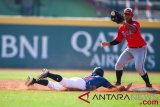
{"x": 149, "y": 85}
{"x": 117, "y": 84}
{"x": 43, "y": 75}
{"x": 29, "y": 81}
{"x": 128, "y": 86}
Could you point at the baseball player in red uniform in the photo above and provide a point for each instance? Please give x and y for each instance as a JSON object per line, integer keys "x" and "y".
{"x": 137, "y": 47}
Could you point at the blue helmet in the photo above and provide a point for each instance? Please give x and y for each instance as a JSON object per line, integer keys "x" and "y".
{"x": 98, "y": 71}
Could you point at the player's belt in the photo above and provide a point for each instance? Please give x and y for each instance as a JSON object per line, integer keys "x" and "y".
{"x": 136, "y": 47}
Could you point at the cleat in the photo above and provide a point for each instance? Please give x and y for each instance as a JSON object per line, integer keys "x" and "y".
{"x": 128, "y": 86}
{"x": 149, "y": 85}
{"x": 117, "y": 84}
{"x": 29, "y": 81}
{"x": 43, "y": 75}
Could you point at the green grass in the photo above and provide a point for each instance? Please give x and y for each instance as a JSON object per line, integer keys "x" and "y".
{"x": 34, "y": 98}
{"x": 127, "y": 77}
{"x": 61, "y": 99}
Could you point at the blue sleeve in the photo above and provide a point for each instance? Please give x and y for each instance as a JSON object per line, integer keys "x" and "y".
{"x": 97, "y": 82}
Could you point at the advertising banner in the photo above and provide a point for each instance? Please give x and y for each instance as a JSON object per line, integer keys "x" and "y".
{"x": 68, "y": 46}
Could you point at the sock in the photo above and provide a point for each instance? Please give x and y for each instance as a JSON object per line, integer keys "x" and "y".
{"x": 55, "y": 77}
{"x": 146, "y": 78}
{"x": 119, "y": 75}
{"x": 41, "y": 82}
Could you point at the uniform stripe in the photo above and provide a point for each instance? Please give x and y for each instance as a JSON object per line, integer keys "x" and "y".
{"x": 145, "y": 54}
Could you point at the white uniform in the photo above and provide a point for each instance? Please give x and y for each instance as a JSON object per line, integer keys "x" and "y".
{"x": 74, "y": 82}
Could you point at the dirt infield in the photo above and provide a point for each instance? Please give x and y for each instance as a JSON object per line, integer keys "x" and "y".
{"x": 19, "y": 85}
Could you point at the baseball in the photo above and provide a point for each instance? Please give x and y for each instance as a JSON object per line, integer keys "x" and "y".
{"x": 113, "y": 13}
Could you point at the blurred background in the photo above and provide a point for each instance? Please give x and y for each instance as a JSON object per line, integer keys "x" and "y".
{"x": 65, "y": 34}
{"x": 144, "y": 9}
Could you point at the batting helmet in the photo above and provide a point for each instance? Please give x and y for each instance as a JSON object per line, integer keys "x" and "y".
{"x": 98, "y": 71}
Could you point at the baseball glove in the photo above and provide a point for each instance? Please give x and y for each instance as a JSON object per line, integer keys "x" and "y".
{"x": 117, "y": 17}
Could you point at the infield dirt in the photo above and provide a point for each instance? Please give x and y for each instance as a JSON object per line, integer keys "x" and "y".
{"x": 20, "y": 85}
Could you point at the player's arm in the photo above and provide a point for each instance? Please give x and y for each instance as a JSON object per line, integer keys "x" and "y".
{"x": 133, "y": 28}
{"x": 114, "y": 42}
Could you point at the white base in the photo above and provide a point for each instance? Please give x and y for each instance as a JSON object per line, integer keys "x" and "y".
{"x": 145, "y": 89}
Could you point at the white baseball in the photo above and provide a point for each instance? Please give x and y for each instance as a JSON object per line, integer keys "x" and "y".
{"x": 113, "y": 13}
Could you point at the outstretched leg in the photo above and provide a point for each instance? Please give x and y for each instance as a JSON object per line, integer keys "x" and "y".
{"x": 53, "y": 85}
{"x": 73, "y": 83}
{"x": 146, "y": 79}
{"x": 46, "y": 74}
{"x": 30, "y": 81}
{"x": 140, "y": 56}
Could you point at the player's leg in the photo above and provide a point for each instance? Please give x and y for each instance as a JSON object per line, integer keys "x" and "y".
{"x": 30, "y": 81}
{"x": 46, "y": 73}
{"x": 140, "y": 56}
{"x": 53, "y": 85}
{"x": 124, "y": 58}
{"x": 75, "y": 82}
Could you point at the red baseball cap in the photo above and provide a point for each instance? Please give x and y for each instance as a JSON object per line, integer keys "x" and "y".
{"x": 128, "y": 10}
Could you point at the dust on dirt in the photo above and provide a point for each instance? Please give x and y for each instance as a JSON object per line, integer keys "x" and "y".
{"x": 20, "y": 85}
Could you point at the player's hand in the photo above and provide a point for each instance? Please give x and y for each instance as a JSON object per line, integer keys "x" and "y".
{"x": 103, "y": 44}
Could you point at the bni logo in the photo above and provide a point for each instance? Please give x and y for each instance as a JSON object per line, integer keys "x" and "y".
{"x": 81, "y": 97}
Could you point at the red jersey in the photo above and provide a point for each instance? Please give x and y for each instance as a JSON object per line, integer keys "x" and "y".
{"x": 134, "y": 39}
